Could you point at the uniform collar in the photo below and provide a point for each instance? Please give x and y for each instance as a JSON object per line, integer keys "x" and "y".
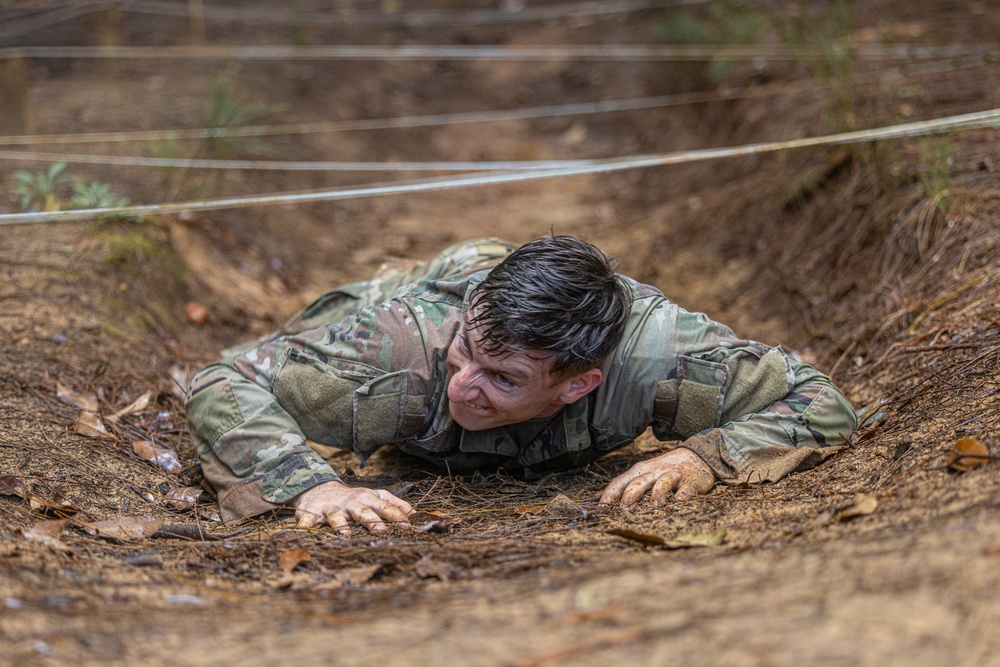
{"x": 498, "y": 441}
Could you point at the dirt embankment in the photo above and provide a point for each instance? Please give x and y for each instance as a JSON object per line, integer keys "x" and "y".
{"x": 879, "y": 262}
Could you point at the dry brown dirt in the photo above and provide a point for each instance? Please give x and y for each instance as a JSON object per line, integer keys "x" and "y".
{"x": 879, "y": 262}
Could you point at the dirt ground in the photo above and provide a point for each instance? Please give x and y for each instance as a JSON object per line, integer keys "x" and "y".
{"x": 878, "y": 262}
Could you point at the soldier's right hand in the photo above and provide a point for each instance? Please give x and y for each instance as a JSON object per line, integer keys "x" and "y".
{"x": 338, "y": 504}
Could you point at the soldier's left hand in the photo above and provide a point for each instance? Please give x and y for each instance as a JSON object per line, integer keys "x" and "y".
{"x": 679, "y": 471}
{"x": 336, "y": 503}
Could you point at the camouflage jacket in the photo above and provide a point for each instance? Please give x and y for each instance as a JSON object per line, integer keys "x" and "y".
{"x": 365, "y": 366}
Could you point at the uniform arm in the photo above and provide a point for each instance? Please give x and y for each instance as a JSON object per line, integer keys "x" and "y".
{"x": 747, "y": 410}
{"x": 252, "y": 451}
{"x": 797, "y": 431}
{"x": 813, "y": 421}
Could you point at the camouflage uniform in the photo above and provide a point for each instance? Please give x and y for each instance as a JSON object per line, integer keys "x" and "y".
{"x": 365, "y": 365}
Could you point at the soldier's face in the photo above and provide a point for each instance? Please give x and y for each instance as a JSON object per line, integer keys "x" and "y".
{"x": 486, "y": 391}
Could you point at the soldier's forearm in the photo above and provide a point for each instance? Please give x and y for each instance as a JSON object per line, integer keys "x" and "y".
{"x": 247, "y": 432}
{"x": 800, "y": 430}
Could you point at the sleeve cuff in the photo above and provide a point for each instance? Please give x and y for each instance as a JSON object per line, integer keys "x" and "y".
{"x": 296, "y": 474}
{"x": 708, "y": 446}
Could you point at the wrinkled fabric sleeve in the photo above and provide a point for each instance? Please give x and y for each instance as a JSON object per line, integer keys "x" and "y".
{"x": 810, "y": 424}
{"x": 749, "y": 410}
{"x": 252, "y": 451}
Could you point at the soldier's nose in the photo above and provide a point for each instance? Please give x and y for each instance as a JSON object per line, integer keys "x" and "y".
{"x": 461, "y": 387}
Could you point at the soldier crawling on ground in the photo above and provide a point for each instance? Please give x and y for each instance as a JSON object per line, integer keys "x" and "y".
{"x": 537, "y": 358}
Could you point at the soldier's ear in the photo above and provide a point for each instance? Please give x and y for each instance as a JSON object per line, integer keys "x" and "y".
{"x": 578, "y": 386}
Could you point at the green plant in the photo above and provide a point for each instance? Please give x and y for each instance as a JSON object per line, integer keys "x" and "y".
{"x": 935, "y": 169}
{"x": 724, "y": 23}
{"x": 98, "y": 195}
{"x": 152, "y": 281}
{"x": 825, "y": 48}
{"x": 173, "y": 180}
{"x": 37, "y": 191}
{"x": 95, "y": 195}
{"x": 224, "y": 110}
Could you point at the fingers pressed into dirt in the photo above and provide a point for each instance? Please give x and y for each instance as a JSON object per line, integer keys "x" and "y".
{"x": 382, "y": 510}
{"x": 307, "y": 519}
{"x": 698, "y": 483}
{"x": 398, "y": 503}
{"x": 679, "y": 471}
{"x": 338, "y": 521}
{"x": 614, "y": 489}
{"x": 664, "y": 487}
{"x": 339, "y": 505}
{"x": 637, "y": 488}
{"x": 367, "y": 517}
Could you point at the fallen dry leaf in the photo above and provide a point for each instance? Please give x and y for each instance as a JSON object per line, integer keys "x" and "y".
{"x": 864, "y": 504}
{"x": 356, "y": 576}
{"x": 295, "y": 581}
{"x": 966, "y": 454}
{"x": 158, "y": 454}
{"x": 687, "y": 540}
{"x": 44, "y": 530}
{"x": 12, "y": 486}
{"x": 683, "y": 541}
{"x": 432, "y": 568}
{"x": 562, "y": 505}
{"x": 86, "y": 402}
{"x": 56, "y": 504}
{"x": 90, "y": 425}
{"x": 291, "y": 559}
{"x": 647, "y": 443}
{"x": 87, "y": 423}
{"x": 637, "y": 536}
{"x": 209, "y": 515}
{"x": 529, "y": 509}
{"x": 430, "y": 522}
{"x": 181, "y": 497}
{"x": 135, "y": 406}
{"x": 326, "y": 586}
{"x": 47, "y": 532}
{"x": 125, "y": 527}
{"x": 196, "y": 313}
{"x": 180, "y": 378}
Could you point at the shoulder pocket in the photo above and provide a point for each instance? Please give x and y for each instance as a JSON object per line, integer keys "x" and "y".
{"x": 320, "y": 396}
{"x": 380, "y": 409}
{"x": 757, "y": 383}
{"x": 700, "y": 392}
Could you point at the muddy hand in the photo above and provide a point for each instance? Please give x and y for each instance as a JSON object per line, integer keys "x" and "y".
{"x": 338, "y": 505}
{"x": 679, "y": 471}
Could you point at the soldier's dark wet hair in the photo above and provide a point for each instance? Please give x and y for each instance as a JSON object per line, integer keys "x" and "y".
{"x": 557, "y": 294}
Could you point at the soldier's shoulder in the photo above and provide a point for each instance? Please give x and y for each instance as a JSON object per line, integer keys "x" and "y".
{"x": 640, "y": 290}
{"x": 448, "y": 291}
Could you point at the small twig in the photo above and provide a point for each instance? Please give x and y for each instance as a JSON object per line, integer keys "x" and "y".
{"x": 842, "y": 357}
{"x": 904, "y": 473}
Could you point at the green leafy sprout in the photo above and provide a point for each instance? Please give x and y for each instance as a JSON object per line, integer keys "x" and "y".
{"x": 37, "y": 191}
